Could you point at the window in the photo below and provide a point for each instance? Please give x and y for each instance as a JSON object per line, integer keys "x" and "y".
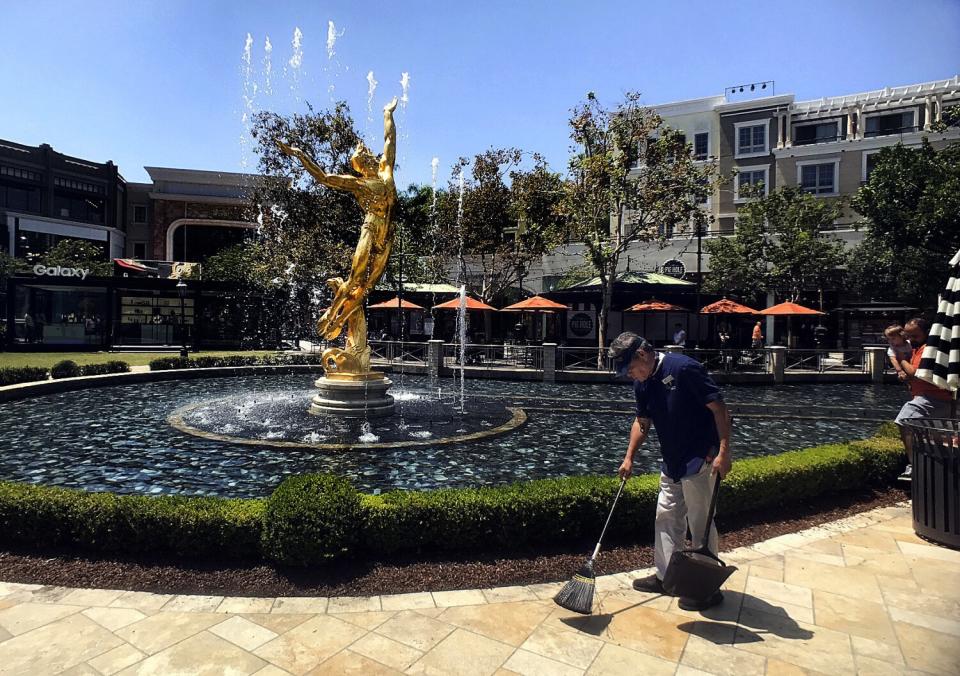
{"x": 869, "y": 164}
{"x": 750, "y": 178}
{"x": 139, "y": 214}
{"x": 78, "y": 208}
{"x": 890, "y": 123}
{"x": 701, "y": 146}
{"x": 16, "y": 172}
{"x": 821, "y": 132}
{"x": 818, "y": 178}
{"x": 140, "y": 250}
{"x": 20, "y": 198}
{"x": 80, "y": 186}
{"x": 751, "y": 138}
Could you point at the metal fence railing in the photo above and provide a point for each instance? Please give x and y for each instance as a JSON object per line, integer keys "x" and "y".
{"x": 494, "y": 356}
{"x": 397, "y": 351}
{"x": 822, "y": 361}
{"x": 728, "y": 360}
{"x": 583, "y": 359}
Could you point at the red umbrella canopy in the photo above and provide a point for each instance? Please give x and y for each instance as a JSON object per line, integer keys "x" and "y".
{"x": 536, "y": 303}
{"x": 725, "y": 306}
{"x": 655, "y": 306}
{"x": 395, "y": 304}
{"x": 786, "y": 309}
{"x": 472, "y": 304}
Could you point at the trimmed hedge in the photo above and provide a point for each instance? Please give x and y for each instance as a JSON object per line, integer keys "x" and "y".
{"x": 169, "y": 363}
{"x": 311, "y": 519}
{"x": 21, "y": 374}
{"x": 65, "y": 369}
{"x": 113, "y": 366}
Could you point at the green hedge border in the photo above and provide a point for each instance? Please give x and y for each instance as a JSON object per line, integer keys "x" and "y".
{"x": 310, "y": 519}
{"x": 66, "y": 368}
{"x": 171, "y": 363}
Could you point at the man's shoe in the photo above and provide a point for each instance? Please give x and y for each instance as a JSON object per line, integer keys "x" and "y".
{"x": 701, "y": 604}
{"x": 907, "y": 474}
{"x": 650, "y": 584}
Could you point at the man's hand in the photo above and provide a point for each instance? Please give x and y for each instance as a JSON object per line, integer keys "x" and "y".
{"x": 722, "y": 465}
{"x": 626, "y": 469}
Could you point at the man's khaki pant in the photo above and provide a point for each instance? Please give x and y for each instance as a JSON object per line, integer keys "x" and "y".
{"x": 679, "y": 505}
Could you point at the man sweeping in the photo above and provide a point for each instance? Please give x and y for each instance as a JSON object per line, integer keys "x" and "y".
{"x": 675, "y": 394}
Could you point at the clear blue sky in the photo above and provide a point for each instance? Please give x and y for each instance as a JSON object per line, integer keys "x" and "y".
{"x": 159, "y": 82}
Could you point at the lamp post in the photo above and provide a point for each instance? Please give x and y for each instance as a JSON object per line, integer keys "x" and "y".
{"x": 182, "y": 291}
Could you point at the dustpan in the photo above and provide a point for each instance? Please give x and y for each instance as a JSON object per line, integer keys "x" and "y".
{"x": 698, "y": 573}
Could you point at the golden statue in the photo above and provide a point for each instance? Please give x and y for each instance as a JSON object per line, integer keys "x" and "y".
{"x": 376, "y": 193}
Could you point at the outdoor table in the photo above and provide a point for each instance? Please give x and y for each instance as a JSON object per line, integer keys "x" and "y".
{"x": 935, "y": 483}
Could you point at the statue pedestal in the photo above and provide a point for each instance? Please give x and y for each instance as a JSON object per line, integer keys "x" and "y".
{"x": 352, "y": 398}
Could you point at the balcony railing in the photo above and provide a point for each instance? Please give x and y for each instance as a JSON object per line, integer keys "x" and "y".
{"x": 891, "y": 132}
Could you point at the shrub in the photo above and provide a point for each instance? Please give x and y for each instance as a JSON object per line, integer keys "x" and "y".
{"x": 310, "y": 519}
{"x": 169, "y": 363}
{"x": 65, "y": 369}
{"x": 234, "y": 360}
{"x": 21, "y": 374}
{"x": 114, "y": 366}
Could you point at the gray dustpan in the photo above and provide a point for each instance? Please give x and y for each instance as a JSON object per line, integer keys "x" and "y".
{"x": 698, "y": 573}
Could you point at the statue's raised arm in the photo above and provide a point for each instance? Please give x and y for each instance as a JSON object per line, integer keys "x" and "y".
{"x": 335, "y": 181}
{"x": 389, "y": 157}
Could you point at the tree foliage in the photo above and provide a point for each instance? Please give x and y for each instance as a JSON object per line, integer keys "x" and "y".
{"x": 911, "y": 204}
{"x": 78, "y": 253}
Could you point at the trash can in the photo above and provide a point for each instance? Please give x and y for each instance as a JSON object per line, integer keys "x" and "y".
{"x": 936, "y": 479}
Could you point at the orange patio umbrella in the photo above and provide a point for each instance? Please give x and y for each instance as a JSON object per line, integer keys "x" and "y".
{"x": 725, "y": 306}
{"x": 536, "y": 304}
{"x": 471, "y": 304}
{"x": 789, "y": 309}
{"x": 655, "y": 306}
{"x": 395, "y": 304}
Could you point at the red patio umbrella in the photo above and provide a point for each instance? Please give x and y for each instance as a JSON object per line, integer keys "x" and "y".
{"x": 536, "y": 304}
{"x": 395, "y": 304}
{"x": 725, "y": 306}
{"x": 655, "y": 306}
{"x": 787, "y": 309}
{"x": 471, "y": 304}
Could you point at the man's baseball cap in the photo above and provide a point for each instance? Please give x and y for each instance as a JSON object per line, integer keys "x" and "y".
{"x": 624, "y": 347}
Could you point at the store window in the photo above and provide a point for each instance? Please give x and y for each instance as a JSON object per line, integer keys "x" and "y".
{"x": 60, "y": 315}
{"x": 152, "y": 319}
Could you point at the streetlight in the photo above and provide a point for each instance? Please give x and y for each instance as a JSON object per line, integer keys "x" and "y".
{"x": 182, "y": 291}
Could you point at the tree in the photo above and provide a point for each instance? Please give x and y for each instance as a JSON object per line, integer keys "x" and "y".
{"x": 78, "y": 253}
{"x": 911, "y": 207}
{"x": 628, "y": 168}
{"x": 738, "y": 264}
{"x": 417, "y": 243}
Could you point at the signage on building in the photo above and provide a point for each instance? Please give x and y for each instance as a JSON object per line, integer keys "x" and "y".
{"x": 58, "y": 271}
{"x": 673, "y": 267}
{"x": 582, "y": 324}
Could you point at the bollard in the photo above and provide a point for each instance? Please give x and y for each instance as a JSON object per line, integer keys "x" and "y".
{"x": 778, "y": 362}
{"x": 876, "y": 360}
{"x": 434, "y": 358}
{"x": 549, "y": 362}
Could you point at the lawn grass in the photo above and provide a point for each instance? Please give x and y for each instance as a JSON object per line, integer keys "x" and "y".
{"x": 48, "y": 359}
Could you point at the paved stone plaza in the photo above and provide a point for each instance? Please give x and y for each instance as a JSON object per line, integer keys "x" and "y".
{"x": 862, "y": 595}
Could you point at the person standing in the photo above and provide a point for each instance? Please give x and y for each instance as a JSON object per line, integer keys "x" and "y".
{"x": 679, "y": 335}
{"x": 675, "y": 394}
{"x": 756, "y": 340}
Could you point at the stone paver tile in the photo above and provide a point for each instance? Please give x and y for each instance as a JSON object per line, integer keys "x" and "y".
{"x": 463, "y": 653}
{"x": 50, "y": 594}
{"x": 928, "y": 650}
{"x": 114, "y": 618}
{"x": 875, "y": 540}
{"x": 80, "y": 670}
{"x": 775, "y": 574}
{"x": 23, "y": 617}
{"x": 272, "y": 670}
{"x": 934, "y": 578}
{"x": 369, "y": 621}
{"x": 899, "y": 584}
{"x": 242, "y": 632}
{"x": 153, "y": 634}
{"x": 245, "y": 604}
{"x": 609, "y": 583}
{"x": 201, "y": 655}
{"x": 853, "y": 616}
{"x": 878, "y": 563}
{"x": 631, "y": 597}
{"x": 939, "y": 606}
{"x": 775, "y": 592}
{"x": 91, "y": 597}
{"x": 304, "y": 647}
{"x": 56, "y": 646}
{"x": 407, "y": 601}
{"x": 816, "y": 575}
{"x": 930, "y": 552}
{"x": 280, "y": 623}
{"x": 775, "y": 562}
{"x": 353, "y": 604}
{"x": 143, "y": 601}
{"x": 787, "y": 610}
{"x": 720, "y": 659}
{"x": 777, "y": 667}
{"x": 545, "y": 591}
{"x": 573, "y": 648}
{"x": 16, "y": 588}
{"x": 684, "y": 670}
{"x": 615, "y": 660}
{"x": 508, "y": 594}
{"x": 870, "y": 666}
{"x": 806, "y": 555}
{"x": 804, "y": 645}
{"x": 4, "y": 635}
{"x": 432, "y": 612}
{"x": 531, "y": 664}
{"x": 879, "y": 650}
{"x": 349, "y": 663}
{"x": 193, "y": 604}
{"x": 415, "y": 630}
{"x": 461, "y": 597}
{"x": 738, "y": 581}
{"x": 649, "y": 630}
{"x": 941, "y": 624}
{"x": 312, "y": 605}
{"x": 114, "y": 660}
{"x": 386, "y": 651}
{"x": 727, "y": 611}
{"x": 506, "y": 622}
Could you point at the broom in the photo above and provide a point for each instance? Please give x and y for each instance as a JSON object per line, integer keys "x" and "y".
{"x": 577, "y": 594}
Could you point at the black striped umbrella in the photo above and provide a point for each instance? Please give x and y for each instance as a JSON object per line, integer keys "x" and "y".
{"x": 940, "y": 362}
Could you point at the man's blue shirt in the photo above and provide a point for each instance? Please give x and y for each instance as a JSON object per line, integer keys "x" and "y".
{"x": 675, "y": 397}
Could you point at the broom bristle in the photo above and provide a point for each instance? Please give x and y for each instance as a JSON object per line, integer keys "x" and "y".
{"x": 577, "y": 594}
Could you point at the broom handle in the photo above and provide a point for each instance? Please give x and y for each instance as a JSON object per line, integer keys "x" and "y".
{"x": 596, "y": 550}
{"x": 713, "y": 508}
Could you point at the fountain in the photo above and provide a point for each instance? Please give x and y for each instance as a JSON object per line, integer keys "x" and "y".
{"x": 350, "y": 388}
